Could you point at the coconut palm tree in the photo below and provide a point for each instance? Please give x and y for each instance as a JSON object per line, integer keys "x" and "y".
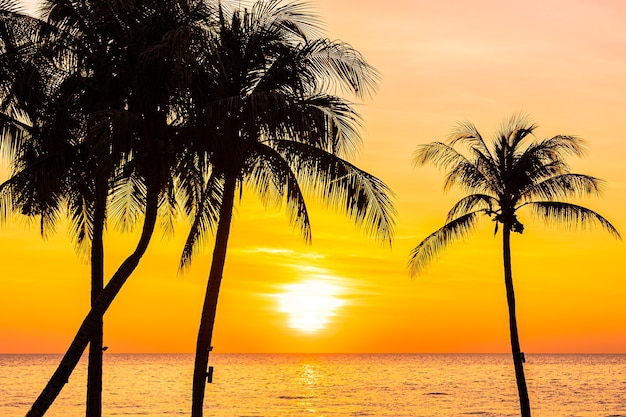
{"x": 60, "y": 87}
{"x": 510, "y": 174}
{"x": 51, "y": 173}
{"x": 55, "y": 168}
{"x": 271, "y": 121}
{"x": 125, "y": 85}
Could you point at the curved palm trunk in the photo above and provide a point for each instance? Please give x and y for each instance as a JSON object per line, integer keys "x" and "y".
{"x": 94, "y": 370}
{"x": 92, "y": 322}
{"x": 205, "y": 333}
{"x": 518, "y": 359}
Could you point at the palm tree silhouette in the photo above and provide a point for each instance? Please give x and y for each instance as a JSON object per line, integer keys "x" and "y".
{"x": 111, "y": 106}
{"x": 154, "y": 104}
{"x": 271, "y": 122}
{"x": 56, "y": 163}
{"x": 49, "y": 171}
{"x": 511, "y": 174}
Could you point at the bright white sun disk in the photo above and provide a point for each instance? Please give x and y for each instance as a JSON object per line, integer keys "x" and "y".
{"x": 310, "y": 304}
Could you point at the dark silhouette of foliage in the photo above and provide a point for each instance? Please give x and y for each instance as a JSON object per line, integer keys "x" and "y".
{"x": 510, "y": 173}
{"x": 271, "y": 120}
{"x": 95, "y": 132}
{"x": 146, "y": 107}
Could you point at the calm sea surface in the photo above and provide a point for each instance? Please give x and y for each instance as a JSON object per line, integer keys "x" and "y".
{"x": 330, "y": 385}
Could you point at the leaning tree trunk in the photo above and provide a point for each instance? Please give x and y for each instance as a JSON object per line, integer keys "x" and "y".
{"x": 91, "y": 323}
{"x": 518, "y": 359}
{"x": 94, "y": 369}
{"x": 205, "y": 333}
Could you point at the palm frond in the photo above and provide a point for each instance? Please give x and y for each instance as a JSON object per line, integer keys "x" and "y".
{"x": 560, "y": 146}
{"x": 11, "y": 7}
{"x": 514, "y": 130}
{"x": 433, "y": 244}
{"x": 332, "y": 120}
{"x": 295, "y": 18}
{"x": 168, "y": 208}
{"x": 343, "y": 186}
{"x": 337, "y": 66}
{"x": 476, "y": 173}
{"x": 206, "y": 216}
{"x": 191, "y": 175}
{"x": 81, "y": 214}
{"x": 274, "y": 181}
{"x": 128, "y": 197}
{"x": 467, "y": 134}
{"x": 564, "y": 186}
{"x": 470, "y": 203}
{"x": 14, "y": 130}
{"x": 438, "y": 154}
{"x": 571, "y": 215}
{"x": 547, "y": 157}
{"x": 507, "y": 144}
{"x": 37, "y": 189}
{"x": 6, "y": 201}
{"x": 326, "y": 122}
{"x": 471, "y": 177}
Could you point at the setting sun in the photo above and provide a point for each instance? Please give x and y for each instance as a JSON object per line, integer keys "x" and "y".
{"x": 310, "y": 304}
{"x": 317, "y": 161}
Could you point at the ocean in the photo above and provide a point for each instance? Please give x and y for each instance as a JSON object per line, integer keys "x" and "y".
{"x": 329, "y": 385}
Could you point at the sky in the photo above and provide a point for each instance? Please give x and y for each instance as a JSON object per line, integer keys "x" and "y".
{"x": 562, "y": 63}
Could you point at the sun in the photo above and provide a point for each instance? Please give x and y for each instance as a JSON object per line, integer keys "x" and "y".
{"x": 310, "y": 304}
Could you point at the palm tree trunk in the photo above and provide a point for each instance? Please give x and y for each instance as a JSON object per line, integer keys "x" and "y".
{"x": 94, "y": 369}
{"x": 205, "y": 333}
{"x": 92, "y": 322}
{"x": 518, "y": 359}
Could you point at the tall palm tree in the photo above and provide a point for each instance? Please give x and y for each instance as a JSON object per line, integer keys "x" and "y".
{"x": 60, "y": 85}
{"x": 125, "y": 84}
{"x": 511, "y": 174}
{"x": 53, "y": 168}
{"x": 272, "y": 122}
{"x": 54, "y": 162}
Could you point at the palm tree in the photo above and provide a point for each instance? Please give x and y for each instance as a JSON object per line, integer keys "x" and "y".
{"x": 123, "y": 94}
{"x": 270, "y": 122}
{"x": 50, "y": 172}
{"x": 54, "y": 164}
{"x": 511, "y": 174}
{"x": 57, "y": 90}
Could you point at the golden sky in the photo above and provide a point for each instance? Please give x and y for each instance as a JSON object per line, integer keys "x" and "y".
{"x": 561, "y": 62}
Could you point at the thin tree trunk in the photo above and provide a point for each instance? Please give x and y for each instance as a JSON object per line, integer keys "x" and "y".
{"x": 518, "y": 359}
{"x": 94, "y": 369}
{"x": 91, "y": 323}
{"x": 205, "y": 333}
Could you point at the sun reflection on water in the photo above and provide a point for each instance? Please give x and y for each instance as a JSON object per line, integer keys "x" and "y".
{"x": 309, "y": 382}
{"x": 310, "y": 374}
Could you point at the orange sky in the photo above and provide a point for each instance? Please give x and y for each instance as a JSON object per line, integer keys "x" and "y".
{"x": 561, "y": 62}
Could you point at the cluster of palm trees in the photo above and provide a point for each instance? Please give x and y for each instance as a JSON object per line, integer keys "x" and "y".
{"x": 113, "y": 111}
{"x": 118, "y": 110}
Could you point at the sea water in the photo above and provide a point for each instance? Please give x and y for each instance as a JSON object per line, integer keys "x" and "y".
{"x": 328, "y": 385}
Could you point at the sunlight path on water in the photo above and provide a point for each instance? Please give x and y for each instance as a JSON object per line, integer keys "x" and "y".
{"x": 325, "y": 385}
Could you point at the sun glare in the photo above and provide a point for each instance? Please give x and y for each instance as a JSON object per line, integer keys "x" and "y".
{"x": 310, "y": 304}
